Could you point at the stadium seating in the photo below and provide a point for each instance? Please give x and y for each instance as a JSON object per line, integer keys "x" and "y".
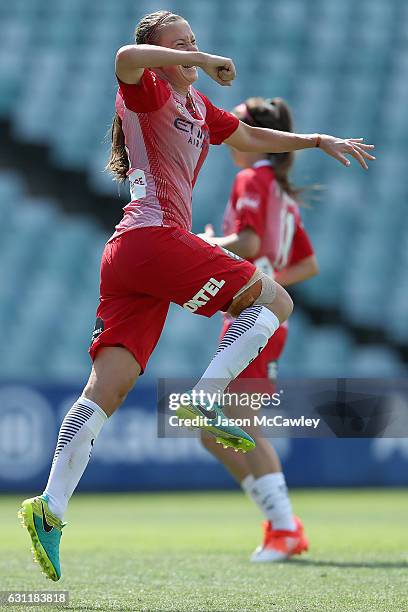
{"x": 48, "y": 296}
{"x": 58, "y": 87}
{"x": 48, "y": 301}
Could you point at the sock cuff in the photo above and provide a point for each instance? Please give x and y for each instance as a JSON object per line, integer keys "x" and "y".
{"x": 90, "y": 404}
{"x": 274, "y": 479}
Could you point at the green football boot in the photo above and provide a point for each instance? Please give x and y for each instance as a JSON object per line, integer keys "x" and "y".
{"x": 45, "y": 532}
{"x": 213, "y": 420}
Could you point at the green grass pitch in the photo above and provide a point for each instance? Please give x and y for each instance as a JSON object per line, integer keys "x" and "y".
{"x": 189, "y": 552}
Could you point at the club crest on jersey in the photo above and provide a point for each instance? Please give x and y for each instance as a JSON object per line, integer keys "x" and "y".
{"x": 209, "y": 290}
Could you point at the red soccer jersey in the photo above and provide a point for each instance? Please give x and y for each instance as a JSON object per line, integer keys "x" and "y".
{"x": 167, "y": 143}
{"x": 257, "y": 201}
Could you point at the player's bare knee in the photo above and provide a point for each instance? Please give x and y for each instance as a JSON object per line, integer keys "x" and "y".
{"x": 264, "y": 291}
{"x": 245, "y": 297}
{"x": 282, "y": 305}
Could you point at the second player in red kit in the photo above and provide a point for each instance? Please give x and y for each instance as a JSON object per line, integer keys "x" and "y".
{"x": 263, "y": 224}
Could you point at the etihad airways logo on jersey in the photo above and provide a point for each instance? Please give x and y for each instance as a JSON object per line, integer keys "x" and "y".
{"x": 197, "y": 135}
{"x": 205, "y": 294}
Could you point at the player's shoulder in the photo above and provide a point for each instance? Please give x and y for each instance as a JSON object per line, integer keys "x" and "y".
{"x": 246, "y": 187}
{"x": 149, "y": 79}
{"x": 152, "y": 77}
{"x": 250, "y": 178}
{"x": 199, "y": 94}
{"x": 149, "y": 94}
{"x": 265, "y": 173}
{"x": 211, "y": 110}
{"x": 246, "y": 175}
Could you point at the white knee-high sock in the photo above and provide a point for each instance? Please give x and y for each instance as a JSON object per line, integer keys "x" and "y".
{"x": 270, "y": 494}
{"x": 79, "y": 430}
{"x": 244, "y": 340}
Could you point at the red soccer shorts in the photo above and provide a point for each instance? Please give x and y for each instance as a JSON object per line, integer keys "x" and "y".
{"x": 145, "y": 269}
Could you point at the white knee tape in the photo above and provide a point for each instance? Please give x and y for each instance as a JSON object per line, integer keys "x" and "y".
{"x": 268, "y": 291}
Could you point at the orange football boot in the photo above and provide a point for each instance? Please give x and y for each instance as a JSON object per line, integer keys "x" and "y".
{"x": 279, "y": 545}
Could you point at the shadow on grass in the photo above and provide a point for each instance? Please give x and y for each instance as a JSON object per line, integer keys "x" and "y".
{"x": 351, "y": 564}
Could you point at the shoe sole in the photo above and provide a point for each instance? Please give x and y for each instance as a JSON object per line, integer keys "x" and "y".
{"x": 25, "y": 514}
{"x": 221, "y": 437}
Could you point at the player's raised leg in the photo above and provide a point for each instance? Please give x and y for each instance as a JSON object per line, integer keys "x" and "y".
{"x": 259, "y": 307}
{"x": 114, "y": 373}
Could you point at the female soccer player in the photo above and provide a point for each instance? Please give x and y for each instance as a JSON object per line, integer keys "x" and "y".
{"x": 160, "y": 138}
{"x": 262, "y": 224}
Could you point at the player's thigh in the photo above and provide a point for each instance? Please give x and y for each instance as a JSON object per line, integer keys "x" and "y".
{"x": 126, "y": 332}
{"x": 200, "y": 277}
{"x": 133, "y": 321}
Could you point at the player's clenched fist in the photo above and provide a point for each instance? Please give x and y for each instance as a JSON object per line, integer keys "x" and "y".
{"x": 219, "y": 68}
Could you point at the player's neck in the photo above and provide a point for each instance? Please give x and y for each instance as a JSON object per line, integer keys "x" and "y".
{"x": 180, "y": 88}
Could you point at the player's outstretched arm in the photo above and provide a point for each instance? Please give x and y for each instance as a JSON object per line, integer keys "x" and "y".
{"x": 262, "y": 140}
{"x": 131, "y": 60}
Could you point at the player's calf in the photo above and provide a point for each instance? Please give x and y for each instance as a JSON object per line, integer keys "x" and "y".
{"x": 114, "y": 374}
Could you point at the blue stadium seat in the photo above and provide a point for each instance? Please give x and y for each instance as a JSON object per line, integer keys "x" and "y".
{"x": 48, "y": 297}
{"x": 378, "y": 361}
